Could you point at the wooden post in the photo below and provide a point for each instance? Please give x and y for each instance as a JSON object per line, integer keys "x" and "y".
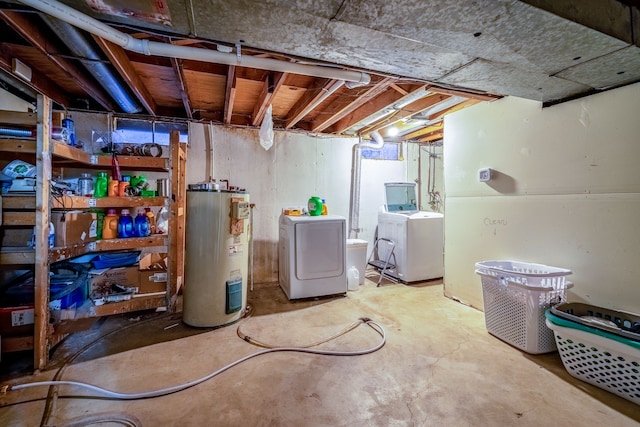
{"x": 43, "y": 191}
{"x": 177, "y": 176}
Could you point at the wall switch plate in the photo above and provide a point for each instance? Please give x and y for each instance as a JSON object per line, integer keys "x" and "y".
{"x": 484, "y": 174}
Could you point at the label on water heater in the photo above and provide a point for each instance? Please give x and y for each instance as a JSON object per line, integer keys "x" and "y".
{"x": 235, "y": 249}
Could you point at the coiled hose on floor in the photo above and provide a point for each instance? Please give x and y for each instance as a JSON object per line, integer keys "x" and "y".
{"x": 110, "y": 394}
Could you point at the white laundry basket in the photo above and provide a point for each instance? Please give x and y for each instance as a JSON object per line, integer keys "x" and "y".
{"x": 516, "y": 295}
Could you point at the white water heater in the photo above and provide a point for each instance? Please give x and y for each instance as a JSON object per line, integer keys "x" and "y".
{"x": 216, "y": 256}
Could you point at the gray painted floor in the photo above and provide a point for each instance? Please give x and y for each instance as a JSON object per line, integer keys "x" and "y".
{"x": 439, "y": 367}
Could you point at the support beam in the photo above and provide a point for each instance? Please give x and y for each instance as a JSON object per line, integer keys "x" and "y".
{"x": 272, "y": 84}
{"x": 230, "y": 93}
{"x": 123, "y": 66}
{"x": 313, "y": 97}
{"x": 176, "y": 64}
{"x": 410, "y": 110}
{"x": 337, "y": 112}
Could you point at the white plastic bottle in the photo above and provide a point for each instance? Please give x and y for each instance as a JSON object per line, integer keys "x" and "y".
{"x": 353, "y": 278}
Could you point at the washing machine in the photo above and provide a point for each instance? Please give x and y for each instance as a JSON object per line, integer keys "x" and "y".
{"x": 419, "y": 244}
{"x": 312, "y": 255}
{"x": 418, "y": 235}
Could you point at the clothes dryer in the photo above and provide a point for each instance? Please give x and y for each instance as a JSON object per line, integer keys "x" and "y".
{"x": 312, "y": 255}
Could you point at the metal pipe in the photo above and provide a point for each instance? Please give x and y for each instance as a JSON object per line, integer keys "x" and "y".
{"x": 16, "y": 133}
{"x": 92, "y": 61}
{"x": 354, "y": 198}
{"x": 97, "y": 28}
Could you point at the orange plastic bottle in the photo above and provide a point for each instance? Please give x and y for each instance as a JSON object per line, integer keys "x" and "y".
{"x": 113, "y": 187}
{"x": 122, "y": 186}
{"x": 110, "y": 228}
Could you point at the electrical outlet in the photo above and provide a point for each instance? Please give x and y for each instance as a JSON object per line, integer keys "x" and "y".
{"x": 484, "y": 174}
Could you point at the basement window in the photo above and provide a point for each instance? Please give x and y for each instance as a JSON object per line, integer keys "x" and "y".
{"x": 132, "y": 131}
{"x": 389, "y": 151}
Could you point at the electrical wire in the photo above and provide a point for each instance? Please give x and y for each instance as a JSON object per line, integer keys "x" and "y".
{"x": 110, "y": 394}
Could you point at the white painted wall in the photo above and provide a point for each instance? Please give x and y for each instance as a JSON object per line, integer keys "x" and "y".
{"x": 428, "y": 174}
{"x": 566, "y": 193}
{"x": 295, "y": 168}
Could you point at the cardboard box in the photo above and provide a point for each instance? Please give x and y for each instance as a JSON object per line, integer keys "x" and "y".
{"x": 153, "y": 273}
{"x": 74, "y": 227}
{"x": 100, "y": 280}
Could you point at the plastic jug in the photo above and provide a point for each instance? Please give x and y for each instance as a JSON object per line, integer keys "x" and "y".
{"x": 353, "y": 278}
{"x": 315, "y": 206}
{"x": 110, "y": 225}
{"x": 125, "y": 224}
{"x": 100, "y": 187}
{"x": 141, "y": 225}
{"x": 123, "y": 184}
{"x": 113, "y": 187}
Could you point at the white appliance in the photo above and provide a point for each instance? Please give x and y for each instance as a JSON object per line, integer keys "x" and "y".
{"x": 312, "y": 255}
{"x": 216, "y": 256}
{"x": 418, "y": 235}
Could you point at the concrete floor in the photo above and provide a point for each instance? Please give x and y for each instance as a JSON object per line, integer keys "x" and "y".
{"x": 439, "y": 367}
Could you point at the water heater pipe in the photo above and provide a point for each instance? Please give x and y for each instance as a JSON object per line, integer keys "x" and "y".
{"x": 100, "y": 29}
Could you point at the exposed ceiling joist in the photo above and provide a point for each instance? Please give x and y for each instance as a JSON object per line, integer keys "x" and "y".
{"x": 125, "y": 69}
{"x": 272, "y": 84}
{"x": 31, "y": 32}
{"x": 338, "y": 112}
{"x": 311, "y": 99}
{"x": 230, "y": 94}
{"x": 478, "y": 51}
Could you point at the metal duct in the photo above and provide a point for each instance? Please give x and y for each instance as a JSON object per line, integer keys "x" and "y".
{"x": 93, "y": 62}
{"x": 97, "y": 28}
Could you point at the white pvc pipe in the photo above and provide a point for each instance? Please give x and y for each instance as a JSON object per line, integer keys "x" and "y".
{"x": 97, "y": 28}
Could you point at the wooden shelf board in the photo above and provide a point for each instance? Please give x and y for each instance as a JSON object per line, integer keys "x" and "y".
{"x": 62, "y": 253}
{"x": 21, "y": 343}
{"x": 19, "y": 118}
{"x": 134, "y": 304}
{"x": 10, "y": 201}
{"x": 18, "y": 218}
{"x": 79, "y": 202}
{"x": 103, "y": 161}
{"x": 18, "y": 145}
{"x": 17, "y": 255}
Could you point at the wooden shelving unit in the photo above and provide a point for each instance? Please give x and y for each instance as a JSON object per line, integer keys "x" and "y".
{"x": 29, "y": 211}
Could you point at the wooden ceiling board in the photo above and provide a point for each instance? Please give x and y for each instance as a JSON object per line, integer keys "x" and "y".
{"x": 206, "y": 91}
{"x": 37, "y": 61}
{"x": 285, "y": 99}
{"x": 161, "y": 84}
{"x": 247, "y": 93}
